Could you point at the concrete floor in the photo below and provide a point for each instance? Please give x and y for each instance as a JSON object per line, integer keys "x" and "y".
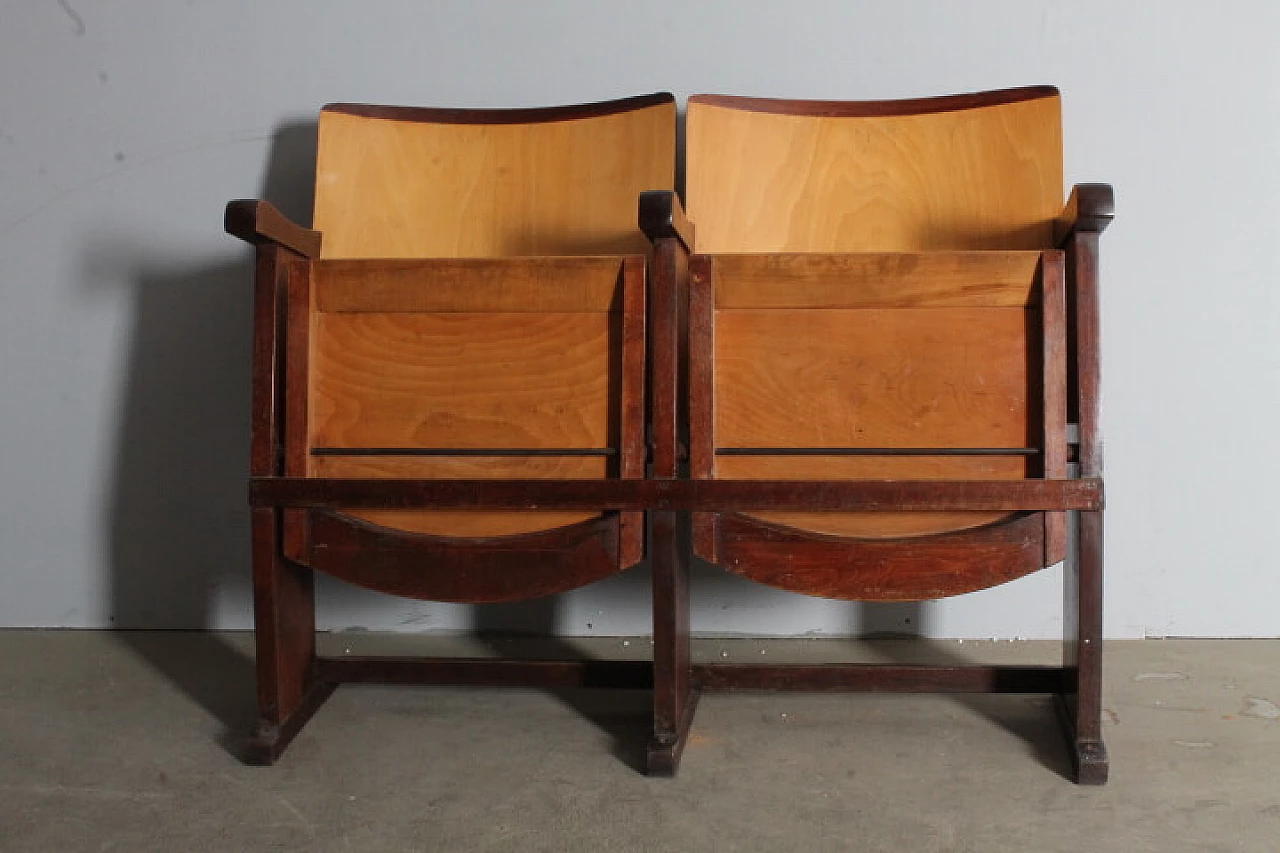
{"x": 127, "y": 742}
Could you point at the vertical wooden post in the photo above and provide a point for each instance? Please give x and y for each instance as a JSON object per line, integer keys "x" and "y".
{"x": 284, "y": 600}
{"x": 673, "y": 696}
{"x": 1082, "y": 625}
{"x": 701, "y": 394}
{"x": 1053, "y": 403}
{"x": 631, "y": 441}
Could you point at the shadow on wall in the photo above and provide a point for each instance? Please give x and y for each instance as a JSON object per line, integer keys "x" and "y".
{"x": 178, "y": 521}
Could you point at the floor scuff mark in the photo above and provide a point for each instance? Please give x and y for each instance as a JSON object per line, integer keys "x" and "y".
{"x": 1256, "y": 706}
{"x": 1160, "y": 676}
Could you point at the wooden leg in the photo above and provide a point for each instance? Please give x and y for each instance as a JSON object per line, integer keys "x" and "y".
{"x": 1081, "y": 706}
{"x": 284, "y": 626}
{"x": 674, "y": 697}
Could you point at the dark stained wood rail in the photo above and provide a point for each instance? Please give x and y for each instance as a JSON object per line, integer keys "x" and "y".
{"x": 908, "y": 569}
{"x": 681, "y": 495}
{"x": 433, "y": 568}
{"x": 902, "y": 107}
{"x": 880, "y": 677}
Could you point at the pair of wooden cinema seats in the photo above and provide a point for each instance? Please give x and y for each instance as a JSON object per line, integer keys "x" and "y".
{"x": 478, "y": 380}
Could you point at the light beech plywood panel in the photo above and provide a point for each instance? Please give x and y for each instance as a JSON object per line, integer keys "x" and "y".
{"x": 766, "y": 181}
{"x": 389, "y": 188}
{"x": 464, "y": 380}
{"x": 933, "y": 377}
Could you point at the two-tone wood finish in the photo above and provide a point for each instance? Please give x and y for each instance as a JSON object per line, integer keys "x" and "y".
{"x": 475, "y": 309}
{"x": 819, "y": 363}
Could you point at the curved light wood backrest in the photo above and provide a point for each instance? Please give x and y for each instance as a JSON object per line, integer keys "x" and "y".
{"x": 962, "y": 172}
{"x": 400, "y": 182}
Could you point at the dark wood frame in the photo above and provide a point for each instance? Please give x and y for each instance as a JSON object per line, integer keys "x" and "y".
{"x": 292, "y": 540}
{"x": 468, "y": 115}
{"x": 293, "y": 681}
{"x": 1071, "y": 321}
{"x": 907, "y": 106}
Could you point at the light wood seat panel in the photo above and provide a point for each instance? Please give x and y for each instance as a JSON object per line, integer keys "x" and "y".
{"x": 875, "y": 286}
{"x": 449, "y": 380}
{"x": 395, "y": 368}
{"x": 470, "y": 294}
{"x": 872, "y": 378}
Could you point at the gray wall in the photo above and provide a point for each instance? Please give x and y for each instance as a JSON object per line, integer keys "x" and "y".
{"x": 124, "y": 311}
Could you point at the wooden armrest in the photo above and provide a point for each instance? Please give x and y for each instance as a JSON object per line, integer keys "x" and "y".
{"x": 661, "y": 215}
{"x": 256, "y": 221}
{"x": 1090, "y": 208}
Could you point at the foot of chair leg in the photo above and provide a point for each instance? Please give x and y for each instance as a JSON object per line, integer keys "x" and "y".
{"x": 665, "y": 748}
{"x": 267, "y": 744}
{"x": 1090, "y": 761}
{"x": 1089, "y": 758}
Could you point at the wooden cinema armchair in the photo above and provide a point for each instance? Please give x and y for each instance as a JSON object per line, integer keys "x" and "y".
{"x": 470, "y": 306}
{"x": 887, "y": 299}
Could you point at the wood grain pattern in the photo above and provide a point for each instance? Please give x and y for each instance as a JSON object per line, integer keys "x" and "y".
{"x": 1083, "y": 577}
{"x": 988, "y": 177}
{"x": 267, "y": 403}
{"x": 702, "y": 393}
{"x": 877, "y": 280}
{"x": 463, "y": 380}
{"x": 465, "y": 353}
{"x": 954, "y": 377}
{"x": 416, "y": 186}
{"x": 1053, "y": 343}
{"x": 631, "y": 442}
{"x": 470, "y": 285}
{"x": 914, "y": 569}
{"x": 872, "y": 525}
{"x": 299, "y": 334}
{"x": 668, "y": 277}
{"x": 466, "y": 523}
{"x": 284, "y": 623}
